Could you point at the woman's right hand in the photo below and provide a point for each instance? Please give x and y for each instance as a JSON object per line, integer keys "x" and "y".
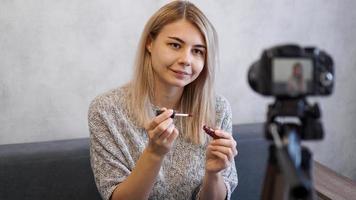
{"x": 162, "y": 133}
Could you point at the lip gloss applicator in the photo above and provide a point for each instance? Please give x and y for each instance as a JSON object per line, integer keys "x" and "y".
{"x": 175, "y": 114}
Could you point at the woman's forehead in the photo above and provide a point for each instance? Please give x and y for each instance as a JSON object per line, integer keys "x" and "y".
{"x": 183, "y": 30}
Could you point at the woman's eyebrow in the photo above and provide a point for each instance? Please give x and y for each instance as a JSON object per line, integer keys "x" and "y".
{"x": 181, "y": 41}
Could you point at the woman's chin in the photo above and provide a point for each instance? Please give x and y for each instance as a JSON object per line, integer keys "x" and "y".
{"x": 179, "y": 83}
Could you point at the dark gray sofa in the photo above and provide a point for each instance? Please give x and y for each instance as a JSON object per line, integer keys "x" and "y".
{"x": 61, "y": 169}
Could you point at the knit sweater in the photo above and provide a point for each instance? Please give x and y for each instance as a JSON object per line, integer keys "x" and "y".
{"x": 116, "y": 143}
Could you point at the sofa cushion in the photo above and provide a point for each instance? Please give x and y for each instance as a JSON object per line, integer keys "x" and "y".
{"x": 47, "y": 170}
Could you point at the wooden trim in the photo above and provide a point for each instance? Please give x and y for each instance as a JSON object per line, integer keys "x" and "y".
{"x": 332, "y": 186}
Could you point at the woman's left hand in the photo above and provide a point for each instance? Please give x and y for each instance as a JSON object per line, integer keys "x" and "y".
{"x": 220, "y": 152}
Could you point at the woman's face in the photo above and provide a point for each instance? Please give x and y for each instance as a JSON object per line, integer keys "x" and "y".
{"x": 178, "y": 54}
{"x": 297, "y": 70}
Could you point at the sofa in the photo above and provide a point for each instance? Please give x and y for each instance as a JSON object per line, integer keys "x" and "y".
{"x": 61, "y": 169}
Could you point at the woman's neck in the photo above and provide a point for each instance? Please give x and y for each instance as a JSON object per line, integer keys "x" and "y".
{"x": 168, "y": 97}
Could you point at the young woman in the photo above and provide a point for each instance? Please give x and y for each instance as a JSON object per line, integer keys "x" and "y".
{"x": 295, "y": 84}
{"x": 138, "y": 155}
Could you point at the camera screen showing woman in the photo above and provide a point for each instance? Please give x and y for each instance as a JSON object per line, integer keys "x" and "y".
{"x": 296, "y": 82}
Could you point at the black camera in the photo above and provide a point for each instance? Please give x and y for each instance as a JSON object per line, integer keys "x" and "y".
{"x": 289, "y": 71}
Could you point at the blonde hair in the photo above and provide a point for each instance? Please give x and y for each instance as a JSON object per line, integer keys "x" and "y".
{"x": 198, "y": 97}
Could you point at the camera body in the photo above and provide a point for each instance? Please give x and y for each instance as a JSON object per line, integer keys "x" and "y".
{"x": 289, "y": 71}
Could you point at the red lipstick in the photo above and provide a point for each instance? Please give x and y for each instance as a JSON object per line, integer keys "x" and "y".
{"x": 210, "y": 132}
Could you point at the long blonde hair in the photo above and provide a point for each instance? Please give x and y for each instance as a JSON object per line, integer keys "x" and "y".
{"x": 199, "y": 96}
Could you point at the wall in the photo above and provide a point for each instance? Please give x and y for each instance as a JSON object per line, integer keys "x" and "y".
{"x": 56, "y": 56}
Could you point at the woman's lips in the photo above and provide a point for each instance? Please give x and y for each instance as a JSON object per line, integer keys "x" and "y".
{"x": 180, "y": 74}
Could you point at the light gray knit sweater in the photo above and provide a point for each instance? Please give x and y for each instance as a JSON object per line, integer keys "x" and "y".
{"x": 116, "y": 143}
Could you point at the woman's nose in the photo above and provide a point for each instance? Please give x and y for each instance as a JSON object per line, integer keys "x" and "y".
{"x": 185, "y": 58}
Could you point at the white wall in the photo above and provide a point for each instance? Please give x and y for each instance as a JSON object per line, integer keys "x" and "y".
{"x": 55, "y": 56}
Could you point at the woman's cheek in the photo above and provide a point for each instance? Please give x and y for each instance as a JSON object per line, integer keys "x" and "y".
{"x": 200, "y": 68}
{"x": 167, "y": 58}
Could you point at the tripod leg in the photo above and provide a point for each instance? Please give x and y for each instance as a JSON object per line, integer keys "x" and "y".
{"x": 307, "y": 166}
{"x": 274, "y": 186}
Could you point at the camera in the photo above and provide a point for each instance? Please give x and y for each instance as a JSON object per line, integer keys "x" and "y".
{"x": 290, "y": 71}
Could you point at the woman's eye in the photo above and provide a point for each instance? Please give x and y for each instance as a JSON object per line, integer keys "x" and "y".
{"x": 198, "y": 51}
{"x": 174, "y": 45}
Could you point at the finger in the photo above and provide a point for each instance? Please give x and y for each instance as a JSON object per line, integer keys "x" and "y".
{"x": 227, "y": 142}
{"x": 232, "y": 149}
{"x": 155, "y": 121}
{"x": 160, "y": 118}
{"x": 162, "y": 127}
{"x": 170, "y": 129}
{"x": 231, "y": 143}
{"x": 223, "y": 134}
{"x": 167, "y": 132}
{"x": 228, "y": 152}
{"x": 173, "y": 136}
{"x": 222, "y": 157}
{"x": 152, "y": 124}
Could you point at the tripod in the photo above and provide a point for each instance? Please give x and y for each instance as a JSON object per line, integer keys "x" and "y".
{"x": 288, "y": 174}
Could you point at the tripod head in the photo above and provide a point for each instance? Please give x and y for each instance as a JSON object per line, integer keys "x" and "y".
{"x": 306, "y": 118}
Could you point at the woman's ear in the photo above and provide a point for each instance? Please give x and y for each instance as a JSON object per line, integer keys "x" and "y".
{"x": 149, "y": 44}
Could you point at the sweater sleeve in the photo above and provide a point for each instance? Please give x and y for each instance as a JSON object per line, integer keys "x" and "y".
{"x": 107, "y": 157}
{"x": 229, "y": 174}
